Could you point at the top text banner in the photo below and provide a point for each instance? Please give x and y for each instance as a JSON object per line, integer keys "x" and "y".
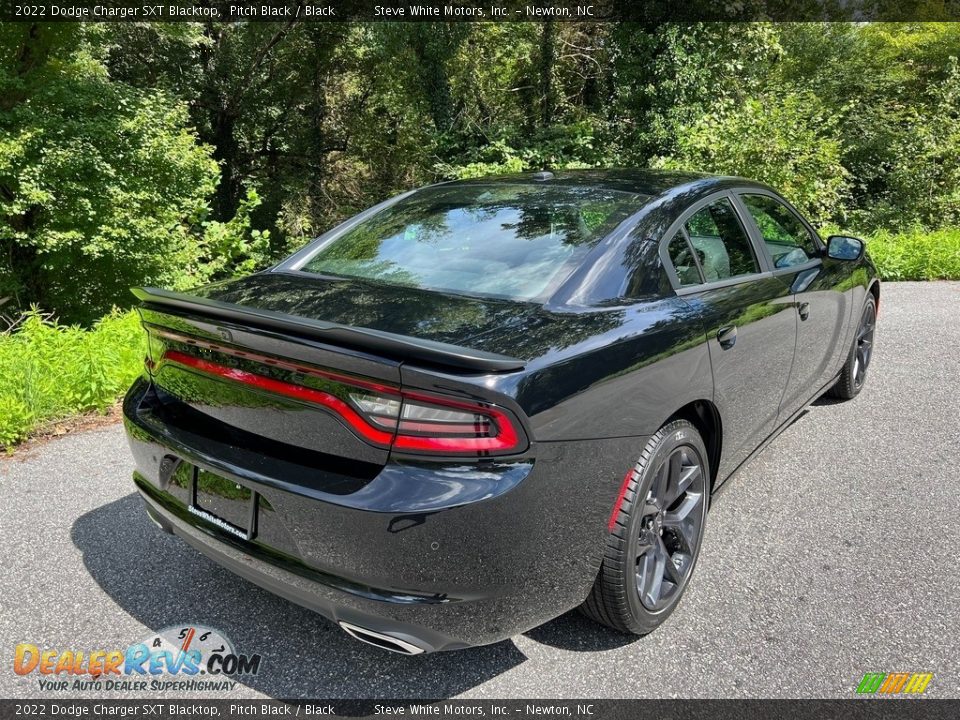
{"x": 642, "y": 11}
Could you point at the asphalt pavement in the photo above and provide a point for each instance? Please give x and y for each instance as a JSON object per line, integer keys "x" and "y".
{"x": 834, "y": 553}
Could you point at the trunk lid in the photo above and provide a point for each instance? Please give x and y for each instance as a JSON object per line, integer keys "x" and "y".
{"x": 484, "y": 325}
{"x": 310, "y": 366}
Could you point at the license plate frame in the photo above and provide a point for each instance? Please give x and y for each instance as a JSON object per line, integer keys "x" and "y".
{"x": 229, "y": 525}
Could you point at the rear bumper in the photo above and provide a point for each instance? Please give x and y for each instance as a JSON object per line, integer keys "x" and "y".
{"x": 325, "y": 598}
{"x": 440, "y": 555}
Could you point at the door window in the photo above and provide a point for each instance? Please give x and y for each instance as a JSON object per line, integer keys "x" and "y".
{"x": 683, "y": 261}
{"x": 720, "y": 242}
{"x": 787, "y": 239}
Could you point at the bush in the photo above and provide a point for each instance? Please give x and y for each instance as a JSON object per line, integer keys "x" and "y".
{"x": 923, "y": 182}
{"x": 560, "y": 147}
{"x": 102, "y": 186}
{"x": 49, "y": 371}
{"x": 786, "y": 140}
{"x": 917, "y": 254}
{"x": 232, "y": 248}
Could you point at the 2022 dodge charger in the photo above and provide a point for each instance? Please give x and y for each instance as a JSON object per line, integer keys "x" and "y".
{"x": 480, "y": 404}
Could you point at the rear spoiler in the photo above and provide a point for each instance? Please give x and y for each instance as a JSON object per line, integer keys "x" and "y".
{"x": 397, "y": 346}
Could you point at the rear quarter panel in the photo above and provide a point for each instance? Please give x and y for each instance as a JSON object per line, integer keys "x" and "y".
{"x": 641, "y": 364}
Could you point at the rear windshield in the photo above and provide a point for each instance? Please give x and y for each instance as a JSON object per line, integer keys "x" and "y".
{"x": 513, "y": 241}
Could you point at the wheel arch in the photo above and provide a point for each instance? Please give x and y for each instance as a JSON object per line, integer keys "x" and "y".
{"x": 704, "y": 416}
{"x": 875, "y": 290}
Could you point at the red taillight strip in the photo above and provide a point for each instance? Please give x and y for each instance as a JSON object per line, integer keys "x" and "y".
{"x": 298, "y": 392}
{"x": 505, "y": 439}
{"x": 620, "y": 496}
{"x": 274, "y": 362}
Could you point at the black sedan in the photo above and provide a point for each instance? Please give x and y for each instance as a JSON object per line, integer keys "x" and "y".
{"x": 480, "y": 404}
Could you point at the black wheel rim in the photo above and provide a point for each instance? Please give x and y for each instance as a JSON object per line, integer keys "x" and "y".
{"x": 864, "y": 349}
{"x": 671, "y": 524}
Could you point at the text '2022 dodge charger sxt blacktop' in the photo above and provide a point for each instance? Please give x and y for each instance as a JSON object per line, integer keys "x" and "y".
{"x": 480, "y": 404}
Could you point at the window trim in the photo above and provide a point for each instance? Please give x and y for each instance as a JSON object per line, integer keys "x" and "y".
{"x": 754, "y": 231}
{"x": 763, "y": 258}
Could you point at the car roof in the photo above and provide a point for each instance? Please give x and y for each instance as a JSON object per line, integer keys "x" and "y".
{"x": 663, "y": 195}
{"x": 650, "y": 182}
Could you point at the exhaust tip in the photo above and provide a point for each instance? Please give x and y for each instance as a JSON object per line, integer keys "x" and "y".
{"x": 381, "y": 640}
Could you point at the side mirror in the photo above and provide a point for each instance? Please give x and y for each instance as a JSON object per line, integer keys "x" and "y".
{"x": 841, "y": 247}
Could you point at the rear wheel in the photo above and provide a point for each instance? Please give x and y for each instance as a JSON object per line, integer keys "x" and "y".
{"x": 653, "y": 547}
{"x": 854, "y": 373}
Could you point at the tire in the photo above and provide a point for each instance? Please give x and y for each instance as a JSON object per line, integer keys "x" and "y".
{"x": 854, "y": 372}
{"x": 646, "y": 541}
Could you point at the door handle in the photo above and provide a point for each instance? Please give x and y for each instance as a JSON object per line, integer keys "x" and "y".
{"x": 804, "y": 310}
{"x": 727, "y": 336}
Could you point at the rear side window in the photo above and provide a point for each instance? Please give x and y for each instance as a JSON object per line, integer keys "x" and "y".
{"x": 721, "y": 243}
{"x": 683, "y": 261}
{"x": 787, "y": 239}
{"x": 513, "y": 241}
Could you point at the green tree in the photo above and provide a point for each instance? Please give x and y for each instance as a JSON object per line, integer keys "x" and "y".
{"x": 668, "y": 77}
{"x": 100, "y": 183}
{"x": 784, "y": 138}
{"x": 888, "y": 87}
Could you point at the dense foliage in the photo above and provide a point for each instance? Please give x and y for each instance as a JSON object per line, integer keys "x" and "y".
{"x": 102, "y": 185}
{"x": 48, "y": 371}
{"x": 177, "y": 154}
{"x": 916, "y": 254}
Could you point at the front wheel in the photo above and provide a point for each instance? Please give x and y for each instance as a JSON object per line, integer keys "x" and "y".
{"x": 854, "y": 373}
{"x": 653, "y": 546}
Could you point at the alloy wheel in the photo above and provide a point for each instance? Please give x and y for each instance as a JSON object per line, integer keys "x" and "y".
{"x": 670, "y": 527}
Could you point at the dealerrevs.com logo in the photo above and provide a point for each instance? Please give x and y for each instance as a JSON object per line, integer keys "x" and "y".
{"x": 187, "y": 657}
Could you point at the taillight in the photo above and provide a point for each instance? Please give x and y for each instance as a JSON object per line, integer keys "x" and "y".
{"x": 383, "y": 416}
{"x": 426, "y": 423}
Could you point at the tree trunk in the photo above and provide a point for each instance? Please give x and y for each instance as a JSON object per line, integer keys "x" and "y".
{"x": 433, "y": 46}
{"x": 548, "y": 100}
{"x": 225, "y": 153}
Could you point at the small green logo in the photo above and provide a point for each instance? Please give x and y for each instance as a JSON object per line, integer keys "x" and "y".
{"x": 894, "y": 683}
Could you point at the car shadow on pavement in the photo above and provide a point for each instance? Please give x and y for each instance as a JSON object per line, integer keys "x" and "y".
{"x": 577, "y": 633}
{"x": 162, "y": 582}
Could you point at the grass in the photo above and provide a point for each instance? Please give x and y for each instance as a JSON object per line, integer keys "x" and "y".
{"x": 916, "y": 254}
{"x": 49, "y": 371}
